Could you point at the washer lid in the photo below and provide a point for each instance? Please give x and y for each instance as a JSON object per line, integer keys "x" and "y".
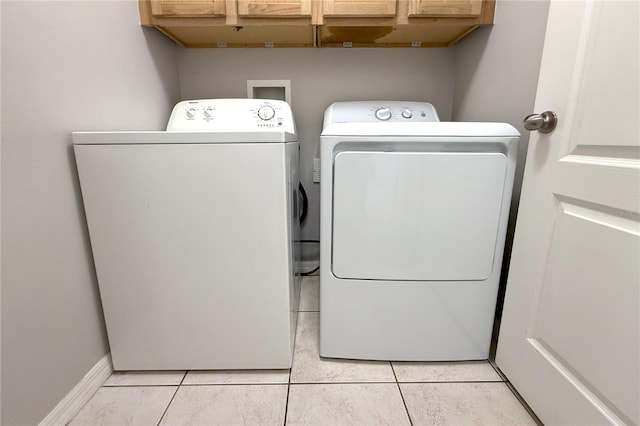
{"x": 161, "y": 137}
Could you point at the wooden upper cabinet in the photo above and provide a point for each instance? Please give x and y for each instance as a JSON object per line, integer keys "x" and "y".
{"x": 188, "y": 7}
{"x": 450, "y": 8}
{"x": 358, "y": 8}
{"x": 319, "y": 23}
{"x": 274, "y": 8}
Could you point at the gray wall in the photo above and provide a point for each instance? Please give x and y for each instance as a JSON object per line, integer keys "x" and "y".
{"x": 0, "y": 216}
{"x": 489, "y": 76}
{"x": 318, "y": 78}
{"x": 65, "y": 66}
{"x": 88, "y": 65}
{"x": 497, "y": 69}
{"x": 496, "y": 80}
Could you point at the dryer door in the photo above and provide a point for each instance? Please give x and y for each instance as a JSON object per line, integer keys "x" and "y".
{"x": 428, "y": 216}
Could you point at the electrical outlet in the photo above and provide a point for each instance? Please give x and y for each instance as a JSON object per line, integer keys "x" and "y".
{"x": 316, "y": 170}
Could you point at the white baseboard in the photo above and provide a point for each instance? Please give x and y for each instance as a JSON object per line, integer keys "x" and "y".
{"x": 71, "y": 404}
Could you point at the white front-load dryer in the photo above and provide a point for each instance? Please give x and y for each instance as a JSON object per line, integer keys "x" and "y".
{"x": 413, "y": 222}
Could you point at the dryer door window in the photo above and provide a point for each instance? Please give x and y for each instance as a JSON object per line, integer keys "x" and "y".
{"x": 428, "y": 216}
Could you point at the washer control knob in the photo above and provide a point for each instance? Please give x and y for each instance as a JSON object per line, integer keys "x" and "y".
{"x": 266, "y": 113}
{"x": 406, "y": 113}
{"x": 191, "y": 112}
{"x": 383, "y": 113}
{"x": 208, "y": 112}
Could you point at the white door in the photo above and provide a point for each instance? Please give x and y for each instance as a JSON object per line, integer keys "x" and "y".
{"x": 570, "y": 330}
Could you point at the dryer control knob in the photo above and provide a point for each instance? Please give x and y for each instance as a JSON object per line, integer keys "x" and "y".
{"x": 406, "y": 113}
{"x": 383, "y": 113}
{"x": 266, "y": 113}
{"x": 191, "y": 112}
{"x": 208, "y": 112}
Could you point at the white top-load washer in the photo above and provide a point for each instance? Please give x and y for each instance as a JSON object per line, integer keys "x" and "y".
{"x": 413, "y": 222}
{"x": 193, "y": 234}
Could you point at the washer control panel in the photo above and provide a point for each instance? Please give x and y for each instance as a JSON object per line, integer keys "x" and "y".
{"x": 266, "y": 112}
{"x": 380, "y": 111}
{"x": 383, "y": 113}
{"x": 222, "y": 115}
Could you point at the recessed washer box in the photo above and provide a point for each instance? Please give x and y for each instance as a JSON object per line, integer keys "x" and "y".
{"x": 269, "y": 89}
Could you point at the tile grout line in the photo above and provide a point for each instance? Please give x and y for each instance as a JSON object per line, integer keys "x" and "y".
{"x": 515, "y": 392}
{"x": 142, "y": 385}
{"x": 310, "y": 383}
{"x": 440, "y": 382}
{"x": 406, "y": 409}
{"x": 286, "y": 405}
{"x": 195, "y": 385}
{"x": 396, "y": 381}
{"x": 524, "y": 404}
{"x": 497, "y": 370}
{"x": 164, "y": 413}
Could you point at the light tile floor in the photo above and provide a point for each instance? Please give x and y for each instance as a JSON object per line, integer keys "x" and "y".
{"x": 316, "y": 391}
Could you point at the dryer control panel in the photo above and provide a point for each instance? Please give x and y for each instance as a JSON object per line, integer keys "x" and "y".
{"x": 380, "y": 111}
{"x": 229, "y": 115}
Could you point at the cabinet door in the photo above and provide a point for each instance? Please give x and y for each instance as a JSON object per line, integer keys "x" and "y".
{"x": 457, "y": 8}
{"x": 188, "y": 7}
{"x": 372, "y": 8}
{"x": 274, "y": 8}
